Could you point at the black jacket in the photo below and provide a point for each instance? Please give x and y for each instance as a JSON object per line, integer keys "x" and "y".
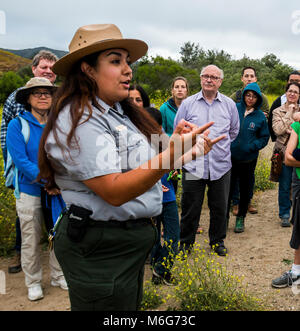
{"x": 295, "y": 239}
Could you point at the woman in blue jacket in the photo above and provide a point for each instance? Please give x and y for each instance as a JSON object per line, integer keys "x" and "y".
{"x": 36, "y": 96}
{"x": 253, "y": 136}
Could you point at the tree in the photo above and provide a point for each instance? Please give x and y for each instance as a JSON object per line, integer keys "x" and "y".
{"x": 190, "y": 54}
{"x": 9, "y": 81}
{"x": 270, "y": 60}
{"x": 157, "y": 73}
{"x": 25, "y": 72}
{"x": 281, "y": 71}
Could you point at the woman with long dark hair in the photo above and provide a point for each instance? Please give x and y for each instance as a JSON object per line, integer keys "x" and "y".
{"x": 96, "y": 148}
{"x": 138, "y": 96}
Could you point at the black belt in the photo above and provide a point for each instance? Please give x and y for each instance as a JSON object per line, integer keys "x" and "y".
{"x": 121, "y": 224}
{"x": 79, "y": 218}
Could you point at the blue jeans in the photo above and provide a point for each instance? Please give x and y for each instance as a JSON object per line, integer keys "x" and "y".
{"x": 284, "y": 191}
{"x": 162, "y": 255}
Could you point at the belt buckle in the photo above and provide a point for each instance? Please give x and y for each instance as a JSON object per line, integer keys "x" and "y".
{"x": 153, "y": 222}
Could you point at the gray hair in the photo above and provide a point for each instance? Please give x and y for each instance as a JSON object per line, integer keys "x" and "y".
{"x": 43, "y": 54}
{"x": 212, "y": 65}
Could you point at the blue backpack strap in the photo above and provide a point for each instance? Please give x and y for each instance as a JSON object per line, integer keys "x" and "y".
{"x": 25, "y": 129}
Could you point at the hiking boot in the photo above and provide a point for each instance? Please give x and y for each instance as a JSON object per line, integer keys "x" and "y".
{"x": 285, "y": 222}
{"x": 15, "y": 267}
{"x": 166, "y": 279}
{"x": 239, "y": 224}
{"x": 235, "y": 210}
{"x": 220, "y": 249}
{"x": 252, "y": 209}
{"x": 287, "y": 279}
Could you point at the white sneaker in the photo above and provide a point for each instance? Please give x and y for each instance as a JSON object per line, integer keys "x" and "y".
{"x": 35, "y": 293}
{"x": 60, "y": 282}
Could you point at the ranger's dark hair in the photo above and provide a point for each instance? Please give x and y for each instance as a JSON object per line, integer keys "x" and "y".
{"x": 80, "y": 92}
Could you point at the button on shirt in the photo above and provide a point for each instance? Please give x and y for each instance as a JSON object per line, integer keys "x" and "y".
{"x": 223, "y": 112}
{"x": 108, "y": 143}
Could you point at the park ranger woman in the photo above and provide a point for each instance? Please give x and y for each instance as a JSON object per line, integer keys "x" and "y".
{"x": 93, "y": 132}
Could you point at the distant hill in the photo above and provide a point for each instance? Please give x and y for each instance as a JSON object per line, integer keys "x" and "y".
{"x": 12, "y": 62}
{"x": 29, "y": 53}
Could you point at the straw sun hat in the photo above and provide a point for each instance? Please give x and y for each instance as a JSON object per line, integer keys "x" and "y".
{"x": 93, "y": 38}
{"x": 35, "y": 82}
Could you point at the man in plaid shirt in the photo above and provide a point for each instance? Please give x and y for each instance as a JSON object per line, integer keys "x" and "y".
{"x": 41, "y": 67}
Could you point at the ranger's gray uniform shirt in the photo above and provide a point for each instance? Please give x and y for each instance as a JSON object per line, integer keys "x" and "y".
{"x": 108, "y": 143}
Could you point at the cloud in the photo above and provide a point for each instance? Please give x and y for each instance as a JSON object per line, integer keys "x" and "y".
{"x": 253, "y": 28}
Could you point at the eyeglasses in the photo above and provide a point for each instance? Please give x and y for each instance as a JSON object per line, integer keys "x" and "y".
{"x": 38, "y": 94}
{"x": 251, "y": 96}
{"x": 212, "y": 78}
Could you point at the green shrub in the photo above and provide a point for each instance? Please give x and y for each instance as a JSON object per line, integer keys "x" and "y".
{"x": 7, "y": 213}
{"x": 152, "y": 297}
{"x": 204, "y": 284}
{"x": 9, "y": 81}
{"x": 7, "y": 216}
{"x": 262, "y": 173}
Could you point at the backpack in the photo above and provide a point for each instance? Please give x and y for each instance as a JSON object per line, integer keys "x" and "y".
{"x": 238, "y": 95}
{"x": 10, "y": 170}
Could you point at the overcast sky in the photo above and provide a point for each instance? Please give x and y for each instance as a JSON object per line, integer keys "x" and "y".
{"x": 253, "y": 28}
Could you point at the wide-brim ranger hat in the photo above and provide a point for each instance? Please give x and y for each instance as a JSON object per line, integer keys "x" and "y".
{"x": 93, "y": 38}
{"x": 35, "y": 82}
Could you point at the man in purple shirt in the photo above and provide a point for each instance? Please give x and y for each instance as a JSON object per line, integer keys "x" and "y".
{"x": 212, "y": 170}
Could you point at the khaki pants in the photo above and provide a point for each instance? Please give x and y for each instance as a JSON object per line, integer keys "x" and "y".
{"x": 29, "y": 210}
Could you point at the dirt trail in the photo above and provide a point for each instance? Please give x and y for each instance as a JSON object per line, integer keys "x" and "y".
{"x": 261, "y": 253}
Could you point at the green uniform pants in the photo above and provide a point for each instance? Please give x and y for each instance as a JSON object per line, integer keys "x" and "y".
{"x": 105, "y": 270}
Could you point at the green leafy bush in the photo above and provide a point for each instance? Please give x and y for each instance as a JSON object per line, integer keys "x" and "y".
{"x": 152, "y": 297}
{"x": 204, "y": 284}
{"x": 262, "y": 173}
{"x": 7, "y": 213}
{"x": 9, "y": 81}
